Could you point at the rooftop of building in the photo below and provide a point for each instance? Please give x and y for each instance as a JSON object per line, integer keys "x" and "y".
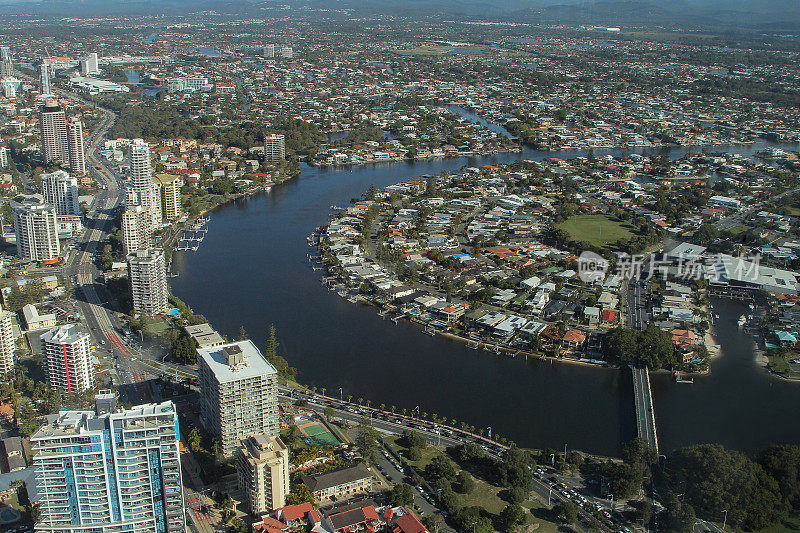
{"x": 205, "y": 335}
{"x": 261, "y": 447}
{"x": 235, "y": 361}
{"x": 145, "y": 256}
{"x": 336, "y": 477}
{"x": 73, "y": 423}
{"x": 66, "y": 334}
{"x": 164, "y": 178}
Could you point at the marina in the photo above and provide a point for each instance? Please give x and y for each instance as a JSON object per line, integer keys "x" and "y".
{"x": 193, "y": 235}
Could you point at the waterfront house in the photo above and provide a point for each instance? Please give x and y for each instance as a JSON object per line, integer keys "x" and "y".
{"x": 573, "y": 340}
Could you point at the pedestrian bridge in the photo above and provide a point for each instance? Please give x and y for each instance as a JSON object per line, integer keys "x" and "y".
{"x": 645, "y": 414}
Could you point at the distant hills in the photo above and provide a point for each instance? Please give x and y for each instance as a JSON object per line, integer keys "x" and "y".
{"x": 776, "y": 14}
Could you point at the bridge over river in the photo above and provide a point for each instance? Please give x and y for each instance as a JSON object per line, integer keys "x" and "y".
{"x": 645, "y": 414}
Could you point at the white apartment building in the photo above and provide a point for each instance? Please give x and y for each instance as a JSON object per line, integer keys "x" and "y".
{"x": 68, "y": 355}
{"x": 141, "y": 182}
{"x": 274, "y": 147}
{"x": 36, "y": 228}
{"x": 148, "y": 275}
{"x": 238, "y": 389}
{"x": 137, "y": 229}
{"x": 61, "y": 191}
{"x": 110, "y": 470}
{"x": 6, "y": 342}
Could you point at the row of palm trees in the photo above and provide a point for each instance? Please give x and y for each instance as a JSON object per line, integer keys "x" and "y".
{"x": 433, "y": 417}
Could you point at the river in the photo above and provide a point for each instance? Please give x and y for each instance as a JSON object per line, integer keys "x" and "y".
{"x": 251, "y": 270}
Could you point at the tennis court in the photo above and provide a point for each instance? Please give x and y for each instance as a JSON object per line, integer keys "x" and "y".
{"x": 318, "y": 434}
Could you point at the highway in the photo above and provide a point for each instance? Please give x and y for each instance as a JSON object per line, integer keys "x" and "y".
{"x": 395, "y": 424}
{"x": 81, "y": 266}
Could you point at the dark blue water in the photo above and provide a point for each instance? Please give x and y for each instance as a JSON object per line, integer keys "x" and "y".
{"x": 252, "y": 270}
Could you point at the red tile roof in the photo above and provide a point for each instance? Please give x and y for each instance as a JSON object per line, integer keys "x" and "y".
{"x": 408, "y": 523}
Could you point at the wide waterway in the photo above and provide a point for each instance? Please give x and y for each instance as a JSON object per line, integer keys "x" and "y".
{"x": 251, "y": 270}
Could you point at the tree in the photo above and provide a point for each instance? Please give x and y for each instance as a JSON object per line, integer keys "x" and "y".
{"x": 568, "y": 512}
{"x": 678, "y": 516}
{"x": 415, "y": 440}
{"x": 414, "y": 454}
{"x": 782, "y": 463}
{"x": 227, "y": 508}
{"x": 517, "y": 494}
{"x": 242, "y": 334}
{"x": 194, "y": 440}
{"x": 300, "y": 494}
{"x": 272, "y": 342}
{"x": 465, "y": 482}
{"x": 469, "y": 452}
{"x": 716, "y": 479}
{"x": 184, "y": 349}
{"x": 440, "y": 467}
{"x": 366, "y": 440}
{"x": 449, "y": 500}
{"x": 471, "y": 519}
{"x": 402, "y": 494}
{"x": 510, "y": 517}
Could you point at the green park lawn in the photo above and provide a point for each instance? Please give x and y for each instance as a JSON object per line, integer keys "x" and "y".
{"x": 790, "y": 525}
{"x": 484, "y": 495}
{"x": 597, "y": 230}
{"x": 427, "y": 51}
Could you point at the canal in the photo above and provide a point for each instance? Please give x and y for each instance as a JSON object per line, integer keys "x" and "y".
{"x": 251, "y": 270}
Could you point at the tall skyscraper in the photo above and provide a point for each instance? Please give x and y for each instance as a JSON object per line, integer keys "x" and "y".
{"x": 269, "y": 50}
{"x": 61, "y": 191}
{"x": 6, "y": 66}
{"x": 3, "y": 156}
{"x": 148, "y": 274}
{"x": 77, "y": 154}
{"x": 141, "y": 182}
{"x": 137, "y": 229}
{"x": 36, "y": 228}
{"x": 262, "y": 465}
{"x": 68, "y": 354}
{"x": 7, "y": 345}
{"x": 169, "y": 194}
{"x": 92, "y": 63}
{"x": 274, "y": 147}
{"x": 44, "y": 78}
{"x": 287, "y": 52}
{"x": 53, "y": 130}
{"x": 110, "y": 470}
{"x": 238, "y": 389}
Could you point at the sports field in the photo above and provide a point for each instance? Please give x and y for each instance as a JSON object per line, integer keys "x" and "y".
{"x": 597, "y": 230}
{"x": 318, "y": 435}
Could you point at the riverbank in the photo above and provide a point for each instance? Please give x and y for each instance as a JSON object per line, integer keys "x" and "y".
{"x": 476, "y": 344}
